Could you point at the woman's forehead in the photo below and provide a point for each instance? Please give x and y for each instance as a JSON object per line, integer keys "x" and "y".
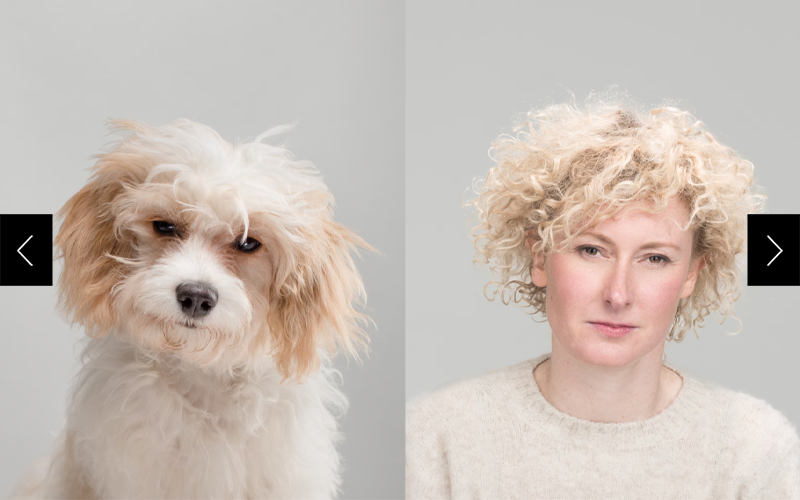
{"x": 676, "y": 212}
{"x": 637, "y": 222}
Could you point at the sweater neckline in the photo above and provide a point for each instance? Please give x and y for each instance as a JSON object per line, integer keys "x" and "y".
{"x": 672, "y": 422}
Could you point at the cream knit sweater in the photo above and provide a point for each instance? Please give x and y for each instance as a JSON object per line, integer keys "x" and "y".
{"x": 497, "y": 437}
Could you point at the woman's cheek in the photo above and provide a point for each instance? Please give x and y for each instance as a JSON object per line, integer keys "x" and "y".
{"x": 663, "y": 294}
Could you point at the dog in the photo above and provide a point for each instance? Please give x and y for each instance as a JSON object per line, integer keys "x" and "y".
{"x": 214, "y": 286}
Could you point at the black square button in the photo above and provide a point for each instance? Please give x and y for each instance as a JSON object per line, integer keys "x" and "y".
{"x": 773, "y": 250}
{"x": 26, "y": 250}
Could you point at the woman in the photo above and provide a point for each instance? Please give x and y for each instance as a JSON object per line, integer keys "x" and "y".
{"x": 623, "y": 228}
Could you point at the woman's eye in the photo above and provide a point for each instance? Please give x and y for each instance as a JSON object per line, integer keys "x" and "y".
{"x": 248, "y": 245}
{"x": 164, "y": 228}
{"x": 590, "y": 251}
{"x": 660, "y": 259}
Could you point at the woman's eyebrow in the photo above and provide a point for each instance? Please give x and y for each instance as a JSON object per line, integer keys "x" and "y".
{"x": 648, "y": 245}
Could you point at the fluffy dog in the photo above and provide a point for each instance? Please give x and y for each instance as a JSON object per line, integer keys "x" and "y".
{"x": 212, "y": 282}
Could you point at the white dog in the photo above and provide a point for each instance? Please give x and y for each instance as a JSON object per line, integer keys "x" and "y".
{"x": 212, "y": 282}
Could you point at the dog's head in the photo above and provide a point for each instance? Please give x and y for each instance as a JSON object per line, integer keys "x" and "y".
{"x": 221, "y": 253}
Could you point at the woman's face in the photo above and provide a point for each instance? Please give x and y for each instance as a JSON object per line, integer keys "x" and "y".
{"x": 630, "y": 270}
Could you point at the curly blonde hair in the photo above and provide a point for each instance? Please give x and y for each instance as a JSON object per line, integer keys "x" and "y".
{"x": 568, "y": 167}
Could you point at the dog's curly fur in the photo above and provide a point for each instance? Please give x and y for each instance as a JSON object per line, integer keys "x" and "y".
{"x": 240, "y": 402}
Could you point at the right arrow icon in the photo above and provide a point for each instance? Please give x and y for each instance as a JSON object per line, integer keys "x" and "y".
{"x": 779, "y": 252}
{"x": 764, "y": 232}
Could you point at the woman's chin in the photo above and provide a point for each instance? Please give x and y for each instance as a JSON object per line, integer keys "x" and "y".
{"x": 608, "y": 355}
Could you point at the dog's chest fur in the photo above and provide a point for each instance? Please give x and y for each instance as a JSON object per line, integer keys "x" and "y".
{"x": 144, "y": 427}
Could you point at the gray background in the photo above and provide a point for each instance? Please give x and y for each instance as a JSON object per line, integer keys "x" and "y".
{"x": 471, "y": 69}
{"x": 240, "y": 67}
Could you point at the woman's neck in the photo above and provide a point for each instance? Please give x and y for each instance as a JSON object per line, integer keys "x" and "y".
{"x": 630, "y": 393}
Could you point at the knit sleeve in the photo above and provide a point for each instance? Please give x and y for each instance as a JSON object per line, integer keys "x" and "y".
{"x": 427, "y": 470}
{"x": 780, "y": 473}
{"x": 783, "y": 478}
{"x": 774, "y": 468}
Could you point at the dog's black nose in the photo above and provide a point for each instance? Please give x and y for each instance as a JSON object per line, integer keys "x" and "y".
{"x": 197, "y": 299}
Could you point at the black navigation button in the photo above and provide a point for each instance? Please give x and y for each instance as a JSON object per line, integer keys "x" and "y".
{"x": 26, "y": 250}
{"x": 773, "y": 250}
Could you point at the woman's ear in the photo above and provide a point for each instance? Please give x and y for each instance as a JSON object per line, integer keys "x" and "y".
{"x": 538, "y": 272}
{"x": 316, "y": 303}
{"x": 691, "y": 279}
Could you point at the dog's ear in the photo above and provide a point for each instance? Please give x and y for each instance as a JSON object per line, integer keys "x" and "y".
{"x": 316, "y": 302}
{"x": 85, "y": 241}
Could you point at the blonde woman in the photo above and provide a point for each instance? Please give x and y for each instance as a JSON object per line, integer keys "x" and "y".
{"x": 623, "y": 229}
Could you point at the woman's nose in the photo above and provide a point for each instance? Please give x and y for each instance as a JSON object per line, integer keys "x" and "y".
{"x": 617, "y": 289}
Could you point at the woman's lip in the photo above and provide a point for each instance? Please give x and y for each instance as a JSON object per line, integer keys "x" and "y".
{"x": 612, "y": 330}
{"x": 615, "y": 325}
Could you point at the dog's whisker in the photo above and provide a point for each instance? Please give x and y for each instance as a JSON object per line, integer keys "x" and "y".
{"x": 169, "y": 344}
{"x": 126, "y": 261}
{"x": 209, "y": 338}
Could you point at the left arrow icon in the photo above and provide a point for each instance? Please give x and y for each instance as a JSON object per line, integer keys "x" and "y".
{"x": 20, "y": 248}
{"x": 27, "y": 237}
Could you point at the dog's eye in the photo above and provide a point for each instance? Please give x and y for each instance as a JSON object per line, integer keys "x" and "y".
{"x": 249, "y": 245}
{"x": 164, "y": 228}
